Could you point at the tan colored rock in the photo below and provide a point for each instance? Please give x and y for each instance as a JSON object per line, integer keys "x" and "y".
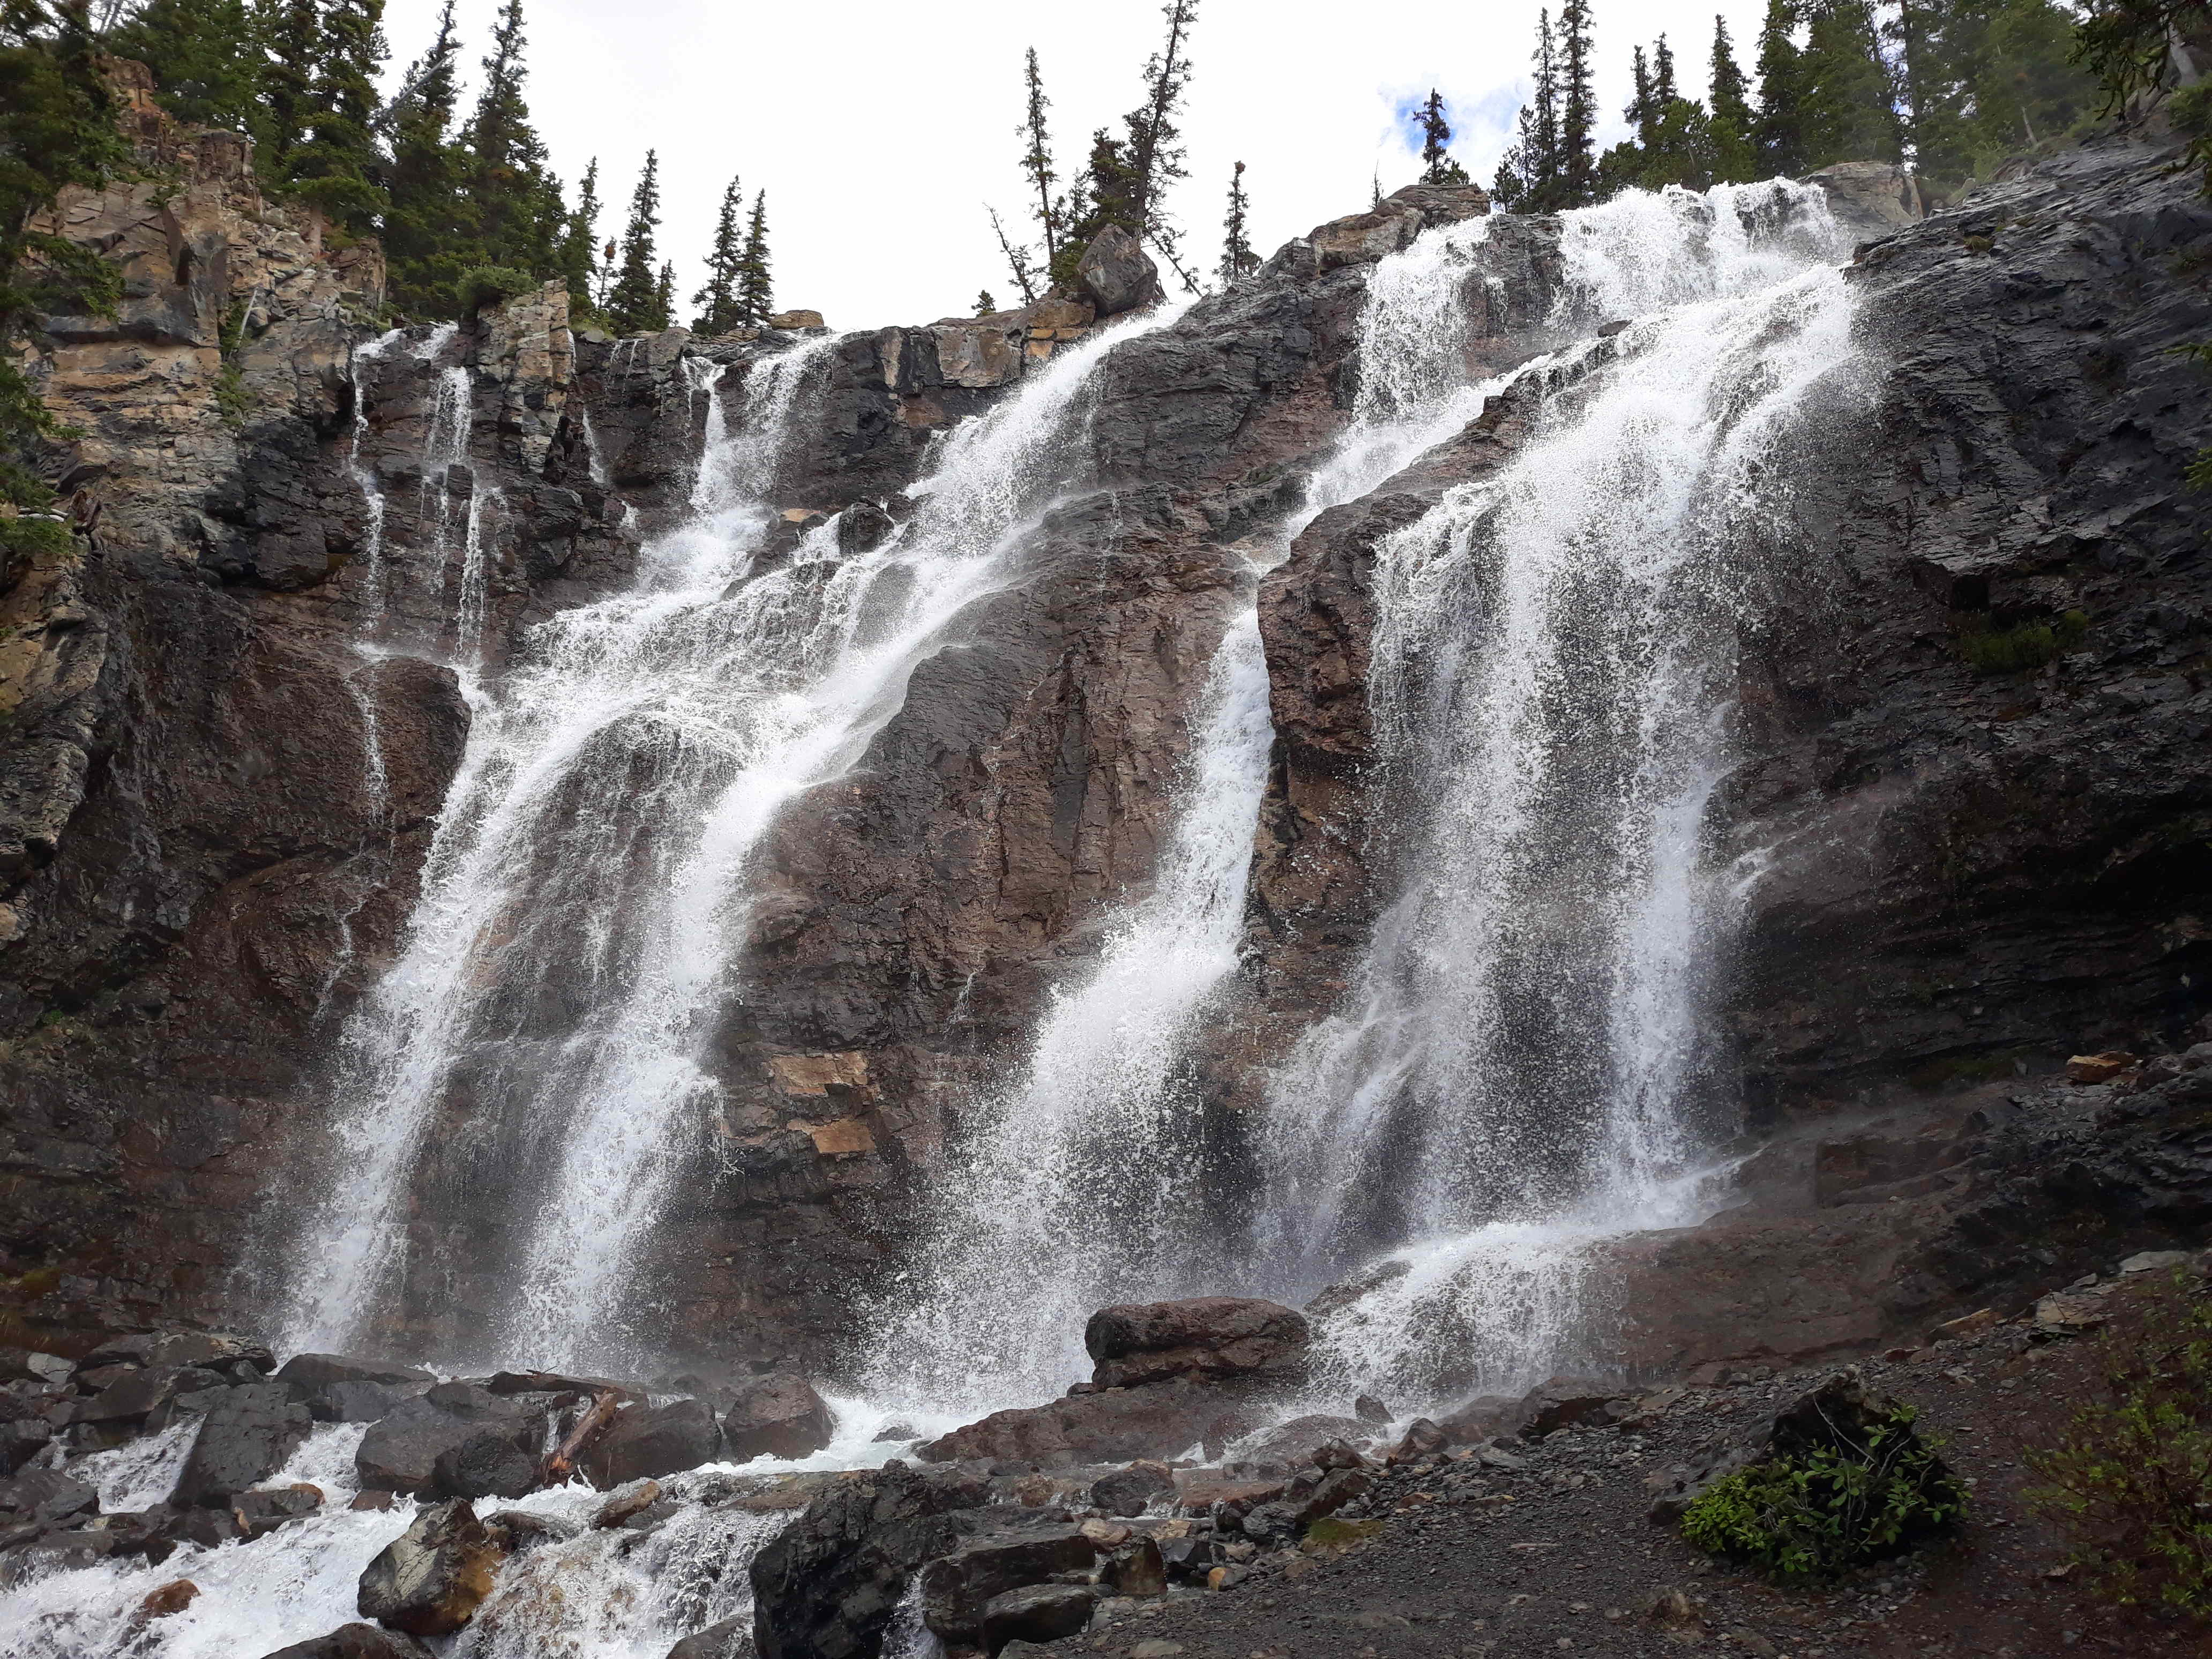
{"x": 2069, "y": 1313}
{"x": 976, "y": 356}
{"x": 796, "y": 319}
{"x": 525, "y": 347}
{"x": 1870, "y": 199}
{"x": 848, "y": 1137}
{"x": 160, "y": 1602}
{"x": 2098, "y": 1068}
{"x": 845, "y": 1074}
{"x": 1973, "y": 1324}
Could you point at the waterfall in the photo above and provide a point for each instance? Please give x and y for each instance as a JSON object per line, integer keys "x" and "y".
{"x": 1519, "y": 1067}
{"x": 585, "y": 901}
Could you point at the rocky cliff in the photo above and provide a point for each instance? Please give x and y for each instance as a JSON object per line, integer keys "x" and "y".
{"x": 1973, "y": 753}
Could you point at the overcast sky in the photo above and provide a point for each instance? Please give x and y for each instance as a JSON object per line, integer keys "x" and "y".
{"x": 880, "y": 130}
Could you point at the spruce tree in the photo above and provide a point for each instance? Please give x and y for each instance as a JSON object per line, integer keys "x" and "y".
{"x": 1237, "y": 259}
{"x": 425, "y": 240}
{"x": 629, "y": 302}
{"x": 1037, "y": 164}
{"x": 337, "y": 165}
{"x": 1019, "y": 263}
{"x": 515, "y": 204}
{"x": 985, "y": 305}
{"x": 205, "y": 57}
{"x": 718, "y": 310}
{"x": 1155, "y": 150}
{"x": 1643, "y": 110}
{"x": 1528, "y": 176}
{"x": 664, "y": 297}
{"x": 756, "y": 292}
{"x": 579, "y": 243}
{"x": 290, "y": 34}
{"x": 1437, "y": 166}
{"x": 1108, "y": 196}
{"x": 1779, "y": 133}
{"x": 1735, "y": 160}
{"x": 1578, "y": 158}
{"x": 1849, "y": 113}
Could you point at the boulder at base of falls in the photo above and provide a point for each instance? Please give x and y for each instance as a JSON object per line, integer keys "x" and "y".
{"x": 1160, "y": 1420}
{"x": 1214, "y": 1337}
{"x": 355, "y": 1642}
{"x": 731, "y": 1639}
{"x": 338, "y": 1389}
{"x": 958, "y": 1586}
{"x": 779, "y": 1416}
{"x": 432, "y": 1578}
{"x": 244, "y": 1439}
{"x": 1039, "y": 1613}
{"x": 462, "y": 1426}
{"x": 648, "y": 1440}
{"x": 830, "y": 1581}
{"x": 1127, "y": 1491}
{"x": 1294, "y": 1444}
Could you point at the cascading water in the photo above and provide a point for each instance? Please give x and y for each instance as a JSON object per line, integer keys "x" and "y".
{"x": 1517, "y": 1069}
{"x": 585, "y": 901}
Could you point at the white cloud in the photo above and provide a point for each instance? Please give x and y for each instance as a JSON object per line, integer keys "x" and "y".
{"x": 879, "y": 130}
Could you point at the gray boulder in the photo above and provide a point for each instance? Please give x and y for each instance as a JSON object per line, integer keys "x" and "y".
{"x": 731, "y": 1639}
{"x": 402, "y": 1450}
{"x": 131, "y": 1398}
{"x": 1211, "y": 1338}
{"x": 432, "y": 1578}
{"x": 43, "y": 1496}
{"x": 355, "y": 1642}
{"x": 1040, "y": 1613}
{"x": 779, "y": 1416}
{"x": 1127, "y": 1491}
{"x": 1116, "y": 274}
{"x": 244, "y": 1439}
{"x": 339, "y": 1388}
{"x": 650, "y": 1440}
{"x": 955, "y": 1587}
{"x": 21, "y": 1441}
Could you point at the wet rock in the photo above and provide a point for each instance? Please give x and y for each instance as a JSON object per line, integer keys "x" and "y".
{"x": 21, "y": 1441}
{"x": 1129, "y": 1490}
{"x": 830, "y": 1581}
{"x": 649, "y": 1440}
{"x": 44, "y": 1496}
{"x": 1423, "y": 1438}
{"x": 731, "y": 1639}
{"x": 131, "y": 1398}
{"x": 559, "y": 1383}
{"x": 1039, "y": 1613}
{"x": 1135, "y": 1567}
{"x": 632, "y": 1499}
{"x": 245, "y": 1437}
{"x": 1116, "y": 274}
{"x": 957, "y": 1586}
{"x": 1870, "y": 199}
{"x": 779, "y": 1416}
{"x": 1162, "y": 1420}
{"x": 402, "y": 1448}
{"x": 519, "y": 1531}
{"x": 1564, "y": 1401}
{"x": 1368, "y": 1409}
{"x": 1293, "y": 1443}
{"x": 355, "y": 1642}
{"x": 165, "y": 1600}
{"x": 1207, "y": 1337}
{"x": 495, "y": 1460}
{"x": 431, "y": 1580}
{"x": 29, "y": 1365}
{"x": 257, "y": 1513}
{"x": 340, "y": 1389}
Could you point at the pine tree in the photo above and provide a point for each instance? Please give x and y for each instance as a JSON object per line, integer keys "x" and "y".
{"x": 1528, "y": 175}
{"x": 205, "y": 58}
{"x": 1735, "y": 160}
{"x": 1779, "y": 133}
{"x": 337, "y": 167}
{"x": 1037, "y": 164}
{"x": 756, "y": 292}
{"x": 290, "y": 33}
{"x": 1019, "y": 262}
{"x": 1237, "y": 259}
{"x": 424, "y": 237}
{"x": 1849, "y": 113}
{"x": 664, "y": 297}
{"x": 514, "y": 202}
{"x": 1437, "y": 166}
{"x": 1108, "y": 197}
{"x": 718, "y": 310}
{"x": 579, "y": 269}
{"x": 1577, "y": 159}
{"x": 629, "y": 302}
{"x": 1155, "y": 150}
{"x": 985, "y": 305}
{"x": 1643, "y": 110}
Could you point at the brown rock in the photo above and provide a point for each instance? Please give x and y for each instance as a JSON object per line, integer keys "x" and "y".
{"x": 172, "y": 1597}
{"x": 2098, "y": 1068}
{"x": 1214, "y": 1337}
{"x": 431, "y": 1579}
{"x": 1162, "y": 1420}
{"x": 1973, "y": 1324}
{"x": 618, "y": 1508}
{"x": 796, "y": 319}
{"x": 781, "y": 1416}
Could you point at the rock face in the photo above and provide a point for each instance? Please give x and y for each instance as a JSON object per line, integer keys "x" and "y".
{"x": 455, "y": 1441}
{"x": 648, "y": 1440}
{"x": 431, "y": 1580}
{"x": 245, "y": 1439}
{"x": 1216, "y": 1337}
{"x": 779, "y": 1416}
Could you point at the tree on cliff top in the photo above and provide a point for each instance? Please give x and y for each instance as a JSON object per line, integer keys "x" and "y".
{"x": 1155, "y": 148}
{"x": 579, "y": 241}
{"x": 1728, "y": 107}
{"x": 756, "y": 291}
{"x": 1237, "y": 259}
{"x": 337, "y": 165}
{"x": 1050, "y": 211}
{"x": 1779, "y": 132}
{"x": 57, "y": 129}
{"x": 206, "y": 63}
{"x": 630, "y": 302}
{"x": 420, "y": 246}
{"x": 1437, "y": 166}
{"x": 720, "y": 309}
{"x": 515, "y": 202}
{"x": 1528, "y": 174}
{"x": 1577, "y": 156}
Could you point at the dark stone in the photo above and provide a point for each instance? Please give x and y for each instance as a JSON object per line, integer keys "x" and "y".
{"x": 1368, "y": 1409}
{"x": 400, "y": 1451}
{"x": 1297, "y": 1442}
{"x": 830, "y": 1581}
{"x": 355, "y": 1642}
{"x": 649, "y": 1440}
{"x": 1423, "y": 1439}
{"x": 862, "y": 528}
{"x": 1127, "y": 1491}
{"x": 339, "y": 1388}
{"x": 260, "y": 1513}
{"x": 21, "y": 1441}
{"x": 955, "y": 1586}
{"x": 1136, "y": 1567}
{"x": 1116, "y": 274}
{"x": 136, "y": 1396}
{"x": 1159, "y": 1421}
{"x": 1216, "y": 1337}
{"x": 1038, "y": 1613}
{"x": 731, "y": 1639}
{"x": 513, "y": 1383}
{"x": 431, "y": 1579}
{"x": 244, "y": 1439}
{"x": 42, "y": 1497}
{"x": 498, "y": 1459}
{"x": 519, "y": 1531}
{"x": 779, "y": 1416}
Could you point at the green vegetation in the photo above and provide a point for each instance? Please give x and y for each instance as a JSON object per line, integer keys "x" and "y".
{"x": 1866, "y": 1493}
{"x": 2018, "y": 650}
{"x": 2129, "y": 1484}
{"x": 1329, "y": 1534}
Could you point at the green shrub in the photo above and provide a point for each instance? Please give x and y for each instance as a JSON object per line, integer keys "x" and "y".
{"x": 231, "y": 397}
{"x": 2016, "y": 650}
{"x": 2132, "y": 1483}
{"x": 487, "y": 285}
{"x": 1818, "y": 1510}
